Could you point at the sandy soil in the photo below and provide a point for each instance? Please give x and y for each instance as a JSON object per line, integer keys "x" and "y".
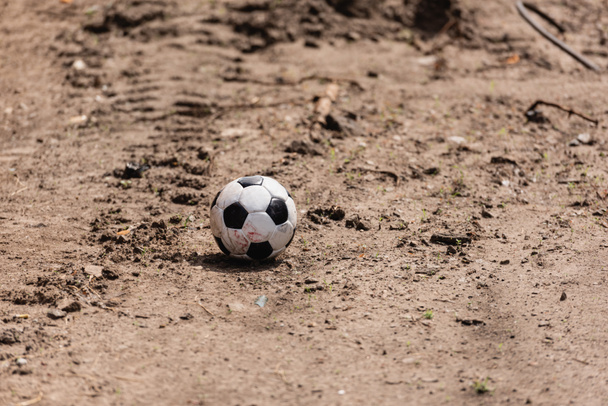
{"x": 448, "y": 251}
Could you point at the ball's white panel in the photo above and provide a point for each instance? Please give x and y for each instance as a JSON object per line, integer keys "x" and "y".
{"x": 282, "y": 235}
{"x": 255, "y": 199}
{"x": 275, "y": 188}
{"x": 229, "y": 195}
{"x": 276, "y": 253}
{"x": 235, "y": 241}
{"x": 258, "y": 227}
{"x": 216, "y": 221}
{"x": 292, "y": 213}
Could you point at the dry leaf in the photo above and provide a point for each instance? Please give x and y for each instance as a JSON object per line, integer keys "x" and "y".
{"x": 123, "y": 232}
{"x": 512, "y": 60}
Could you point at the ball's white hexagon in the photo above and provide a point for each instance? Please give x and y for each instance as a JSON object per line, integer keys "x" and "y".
{"x": 216, "y": 221}
{"x": 258, "y": 227}
{"x": 292, "y": 214}
{"x": 231, "y": 194}
{"x": 235, "y": 241}
{"x": 281, "y": 236}
{"x": 275, "y": 188}
{"x": 255, "y": 199}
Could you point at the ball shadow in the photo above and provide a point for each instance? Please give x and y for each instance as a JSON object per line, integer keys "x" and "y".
{"x": 225, "y": 264}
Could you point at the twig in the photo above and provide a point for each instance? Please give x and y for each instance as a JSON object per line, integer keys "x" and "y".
{"x": 521, "y": 7}
{"x": 31, "y": 401}
{"x": 444, "y": 300}
{"x": 124, "y": 378}
{"x": 205, "y": 309}
{"x": 568, "y": 110}
{"x": 18, "y": 191}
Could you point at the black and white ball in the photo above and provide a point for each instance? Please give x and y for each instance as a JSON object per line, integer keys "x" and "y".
{"x": 253, "y": 217}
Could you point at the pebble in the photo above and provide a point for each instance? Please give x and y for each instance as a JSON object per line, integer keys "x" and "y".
{"x": 94, "y": 270}
{"x": 79, "y": 64}
{"x": 584, "y": 138}
{"x": 261, "y": 301}
{"x": 457, "y": 140}
{"x": 563, "y": 297}
{"x": 56, "y": 314}
{"x": 21, "y": 362}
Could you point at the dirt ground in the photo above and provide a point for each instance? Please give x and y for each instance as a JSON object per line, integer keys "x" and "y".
{"x": 448, "y": 250}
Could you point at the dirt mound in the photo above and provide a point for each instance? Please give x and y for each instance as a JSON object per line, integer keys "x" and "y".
{"x": 265, "y": 23}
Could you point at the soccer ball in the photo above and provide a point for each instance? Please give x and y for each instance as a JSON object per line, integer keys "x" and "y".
{"x": 253, "y": 217}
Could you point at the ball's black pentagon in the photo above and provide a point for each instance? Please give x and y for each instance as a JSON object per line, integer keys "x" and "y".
{"x": 259, "y": 250}
{"x": 222, "y": 246}
{"x": 235, "y": 216}
{"x": 215, "y": 199}
{"x": 277, "y": 210}
{"x": 291, "y": 239}
{"x": 251, "y": 181}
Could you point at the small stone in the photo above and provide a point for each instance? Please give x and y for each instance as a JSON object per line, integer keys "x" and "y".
{"x": 505, "y": 262}
{"x": 78, "y": 119}
{"x": 21, "y": 362}
{"x": 353, "y": 36}
{"x": 56, "y": 314}
{"x": 261, "y": 301}
{"x": 584, "y": 138}
{"x": 563, "y": 297}
{"x": 94, "y": 270}
{"x": 187, "y": 316}
{"x": 456, "y": 140}
{"x": 486, "y": 214}
{"x": 79, "y": 64}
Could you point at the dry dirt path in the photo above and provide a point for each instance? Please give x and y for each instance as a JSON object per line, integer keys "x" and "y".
{"x": 427, "y": 137}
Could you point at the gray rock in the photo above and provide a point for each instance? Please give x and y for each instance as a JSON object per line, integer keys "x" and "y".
{"x": 56, "y": 314}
